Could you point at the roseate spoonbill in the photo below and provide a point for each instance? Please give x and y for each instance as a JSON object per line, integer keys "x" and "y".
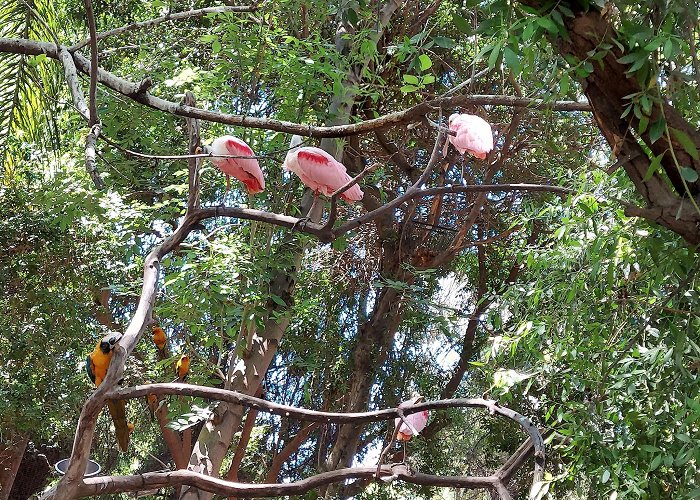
{"x": 183, "y": 367}
{"x": 319, "y": 171}
{"x": 96, "y": 365}
{"x": 246, "y": 170}
{"x": 474, "y": 135}
{"x": 417, "y": 420}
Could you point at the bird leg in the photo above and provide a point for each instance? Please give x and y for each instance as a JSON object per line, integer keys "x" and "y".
{"x": 228, "y": 188}
{"x": 311, "y": 215}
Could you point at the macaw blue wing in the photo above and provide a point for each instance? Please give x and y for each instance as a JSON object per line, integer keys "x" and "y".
{"x": 89, "y": 369}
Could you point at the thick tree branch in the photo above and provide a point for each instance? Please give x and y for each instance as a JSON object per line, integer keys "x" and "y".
{"x": 410, "y": 115}
{"x": 71, "y": 73}
{"x": 152, "y": 480}
{"x": 71, "y": 481}
{"x": 287, "y": 451}
{"x": 114, "y": 484}
{"x": 93, "y": 61}
{"x": 177, "y": 16}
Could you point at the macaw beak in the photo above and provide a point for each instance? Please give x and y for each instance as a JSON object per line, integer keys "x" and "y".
{"x": 108, "y": 342}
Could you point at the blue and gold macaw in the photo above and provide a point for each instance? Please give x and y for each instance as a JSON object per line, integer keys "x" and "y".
{"x": 96, "y": 365}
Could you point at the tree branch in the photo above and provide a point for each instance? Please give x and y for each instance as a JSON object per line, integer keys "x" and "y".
{"x": 410, "y": 115}
{"x": 150, "y": 480}
{"x": 411, "y": 192}
{"x": 93, "y": 61}
{"x": 333, "y": 213}
{"x": 168, "y": 17}
{"x": 287, "y": 451}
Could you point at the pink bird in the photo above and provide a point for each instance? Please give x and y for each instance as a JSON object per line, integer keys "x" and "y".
{"x": 245, "y": 170}
{"x": 417, "y": 420}
{"x": 473, "y": 135}
{"x": 319, "y": 171}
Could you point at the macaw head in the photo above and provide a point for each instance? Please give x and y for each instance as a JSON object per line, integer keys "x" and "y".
{"x": 109, "y": 341}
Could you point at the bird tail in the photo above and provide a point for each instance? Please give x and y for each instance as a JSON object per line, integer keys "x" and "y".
{"x": 117, "y": 408}
{"x": 162, "y": 352}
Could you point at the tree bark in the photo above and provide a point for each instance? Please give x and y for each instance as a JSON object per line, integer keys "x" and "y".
{"x": 11, "y": 454}
{"x": 245, "y": 374}
{"x": 607, "y": 88}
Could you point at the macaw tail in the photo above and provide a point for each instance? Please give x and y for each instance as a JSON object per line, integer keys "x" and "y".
{"x": 117, "y": 408}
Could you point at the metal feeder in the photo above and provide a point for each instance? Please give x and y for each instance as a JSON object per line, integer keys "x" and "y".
{"x": 92, "y": 468}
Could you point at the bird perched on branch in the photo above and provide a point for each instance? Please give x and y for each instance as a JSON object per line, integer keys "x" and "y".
{"x": 159, "y": 338}
{"x": 417, "y": 420}
{"x": 98, "y": 360}
{"x": 152, "y": 402}
{"x": 96, "y": 365}
{"x": 474, "y": 135}
{"x": 182, "y": 368}
{"x": 245, "y": 168}
{"x": 319, "y": 171}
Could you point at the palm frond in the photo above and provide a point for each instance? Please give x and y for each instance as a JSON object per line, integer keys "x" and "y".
{"x": 27, "y": 84}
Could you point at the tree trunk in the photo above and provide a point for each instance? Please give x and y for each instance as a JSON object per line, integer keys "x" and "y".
{"x": 246, "y": 373}
{"x": 607, "y": 88}
{"x": 11, "y": 454}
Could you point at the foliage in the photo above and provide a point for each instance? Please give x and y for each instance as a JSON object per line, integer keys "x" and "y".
{"x": 573, "y": 313}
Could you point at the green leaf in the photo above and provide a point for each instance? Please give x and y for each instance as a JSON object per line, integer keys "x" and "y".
{"x": 512, "y": 60}
{"x": 668, "y": 49}
{"x": 493, "y": 58}
{"x": 412, "y": 79}
{"x": 528, "y": 31}
{"x": 564, "y": 83}
{"x": 461, "y": 24}
{"x": 684, "y": 438}
{"x": 278, "y": 300}
{"x": 428, "y": 79}
{"x": 340, "y": 244}
{"x": 425, "y": 62}
{"x": 352, "y": 16}
{"x": 606, "y": 476}
{"x": 656, "y": 130}
{"x": 444, "y": 42}
{"x": 408, "y": 88}
{"x": 654, "y": 44}
{"x": 653, "y": 167}
{"x": 686, "y": 142}
{"x": 655, "y": 462}
{"x": 643, "y": 124}
{"x": 689, "y": 174}
{"x": 632, "y": 57}
{"x": 547, "y": 24}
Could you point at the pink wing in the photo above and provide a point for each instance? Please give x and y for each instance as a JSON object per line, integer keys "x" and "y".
{"x": 251, "y": 174}
{"x": 473, "y": 135}
{"x": 321, "y": 172}
{"x": 246, "y": 170}
{"x": 417, "y": 420}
